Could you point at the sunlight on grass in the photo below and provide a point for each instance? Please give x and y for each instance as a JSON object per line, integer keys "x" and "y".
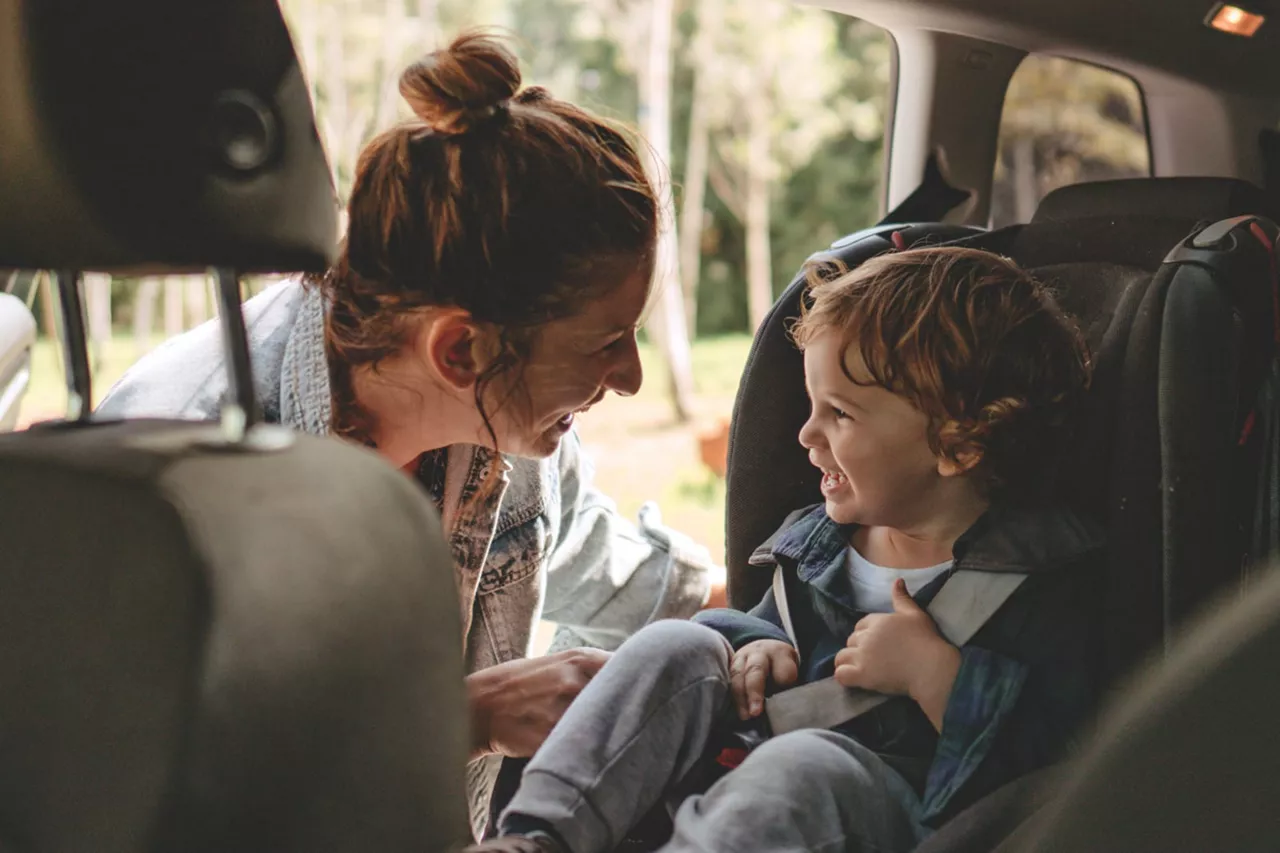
{"x": 47, "y": 396}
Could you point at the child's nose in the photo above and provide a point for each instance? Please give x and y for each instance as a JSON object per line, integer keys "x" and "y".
{"x": 809, "y": 435}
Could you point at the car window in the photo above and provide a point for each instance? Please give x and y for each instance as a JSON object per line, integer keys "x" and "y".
{"x": 776, "y": 148}
{"x": 1065, "y": 122}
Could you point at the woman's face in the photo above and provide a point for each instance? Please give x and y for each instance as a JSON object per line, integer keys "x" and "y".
{"x": 573, "y": 362}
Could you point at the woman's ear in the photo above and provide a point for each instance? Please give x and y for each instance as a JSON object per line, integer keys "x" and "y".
{"x": 452, "y": 344}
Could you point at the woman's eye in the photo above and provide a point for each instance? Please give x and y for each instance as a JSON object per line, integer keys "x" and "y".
{"x": 611, "y": 346}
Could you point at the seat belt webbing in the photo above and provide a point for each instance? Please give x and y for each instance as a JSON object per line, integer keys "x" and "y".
{"x": 960, "y": 609}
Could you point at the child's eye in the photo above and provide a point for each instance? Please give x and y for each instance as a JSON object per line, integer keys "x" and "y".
{"x": 840, "y": 414}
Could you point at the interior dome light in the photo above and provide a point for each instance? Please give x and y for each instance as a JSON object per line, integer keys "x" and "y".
{"x": 1234, "y": 20}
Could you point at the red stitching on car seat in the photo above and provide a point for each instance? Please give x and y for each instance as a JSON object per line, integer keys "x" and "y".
{"x": 731, "y": 757}
{"x": 1258, "y": 232}
{"x": 1260, "y": 235}
{"x": 1248, "y": 428}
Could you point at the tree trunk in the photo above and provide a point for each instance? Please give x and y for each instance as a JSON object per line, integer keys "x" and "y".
{"x": 692, "y": 210}
{"x": 197, "y": 301}
{"x": 1026, "y": 189}
{"x": 144, "y": 314}
{"x": 759, "y": 264}
{"x": 389, "y": 80}
{"x": 307, "y": 29}
{"x": 97, "y": 293}
{"x": 668, "y": 320}
{"x": 335, "y": 118}
{"x": 428, "y": 25}
{"x": 49, "y": 315}
{"x": 173, "y": 320}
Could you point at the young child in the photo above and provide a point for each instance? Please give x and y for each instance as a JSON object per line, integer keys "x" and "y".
{"x": 939, "y": 380}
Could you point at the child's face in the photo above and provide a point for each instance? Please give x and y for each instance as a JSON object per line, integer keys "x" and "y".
{"x": 871, "y": 444}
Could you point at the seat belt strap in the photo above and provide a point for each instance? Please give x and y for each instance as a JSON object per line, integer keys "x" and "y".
{"x": 964, "y": 604}
{"x": 784, "y": 609}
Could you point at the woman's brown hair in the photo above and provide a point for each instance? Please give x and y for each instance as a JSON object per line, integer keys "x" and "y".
{"x": 972, "y": 340}
{"x": 510, "y": 204}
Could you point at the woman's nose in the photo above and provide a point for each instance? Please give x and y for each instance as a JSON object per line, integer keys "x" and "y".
{"x": 627, "y": 374}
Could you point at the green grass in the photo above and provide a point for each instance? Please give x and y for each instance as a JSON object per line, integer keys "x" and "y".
{"x": 640, "y": 453}
{"x": 47, "y": 396}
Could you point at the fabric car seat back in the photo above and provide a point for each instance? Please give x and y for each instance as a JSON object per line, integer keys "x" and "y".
{"x": 205, "y": 648}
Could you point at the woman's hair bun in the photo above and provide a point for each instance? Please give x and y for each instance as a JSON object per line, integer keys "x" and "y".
{"x": 465, "y": 85}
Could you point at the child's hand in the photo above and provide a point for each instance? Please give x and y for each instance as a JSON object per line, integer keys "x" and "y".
{"x": 754, "y": 666}
{"x": 901, "y": 654}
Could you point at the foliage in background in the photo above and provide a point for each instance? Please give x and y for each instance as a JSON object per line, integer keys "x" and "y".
{"x": 827, "y": 96}
{"x": 824, "y": 78}
{"x": 1065, "y": 122}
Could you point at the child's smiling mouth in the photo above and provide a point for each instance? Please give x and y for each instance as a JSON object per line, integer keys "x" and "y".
{"x": 833, "y": 481}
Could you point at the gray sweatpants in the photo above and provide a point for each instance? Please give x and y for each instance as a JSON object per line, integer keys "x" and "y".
{"x": 645, "y": 720}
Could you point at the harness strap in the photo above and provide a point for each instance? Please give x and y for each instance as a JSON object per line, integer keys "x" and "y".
{"x": 964, "y": 604}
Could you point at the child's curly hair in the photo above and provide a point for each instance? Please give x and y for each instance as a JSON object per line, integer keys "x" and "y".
{"x": 972, "y": 340}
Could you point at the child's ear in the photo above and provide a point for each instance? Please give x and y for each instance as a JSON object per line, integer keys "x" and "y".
{"x": 961, "y": 461}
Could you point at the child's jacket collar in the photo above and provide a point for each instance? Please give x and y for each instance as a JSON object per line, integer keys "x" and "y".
{"x": 1003, "y": 539}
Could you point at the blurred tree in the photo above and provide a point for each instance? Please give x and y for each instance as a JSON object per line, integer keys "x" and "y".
{"x": 644, "y": 30}
{"x": 1064, "y": 122}
{"x": 668, "y": 318}
{"x": 708, "y": 18}
{"x": 827, "y": 134}
{"x": 781, "y": 86}
{"x": 824, "y": 97}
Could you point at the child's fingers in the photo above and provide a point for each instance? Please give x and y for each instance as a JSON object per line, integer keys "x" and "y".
{"x": 785, "y": 670}
{"x": 849, "y": 675}
{"x": 902, "y": 600}
{"x": 756, "y": 677}
{"x": 738, "y": 686}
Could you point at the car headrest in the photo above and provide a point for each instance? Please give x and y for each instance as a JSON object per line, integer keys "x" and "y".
{"x": 149, "y": 134}
{"x": 1193, "y": 198}
{"x": 206, "y": 651}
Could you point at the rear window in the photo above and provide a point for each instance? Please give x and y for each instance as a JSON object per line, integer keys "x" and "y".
{"x": 1065, "y": 122}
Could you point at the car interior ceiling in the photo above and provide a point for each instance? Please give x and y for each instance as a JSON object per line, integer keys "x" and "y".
{"x": 1165, "y": 35}
{"x": 161, "y": 697}
{"x": 1208, "y": 96}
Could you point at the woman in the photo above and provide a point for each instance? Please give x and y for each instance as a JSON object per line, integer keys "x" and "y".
{"x": 497, "y": 261}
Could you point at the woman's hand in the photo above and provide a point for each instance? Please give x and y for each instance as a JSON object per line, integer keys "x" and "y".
{"x": 515, "y": 705}
{"x": 754, "y": 667}
{"x": 901, "y": 654}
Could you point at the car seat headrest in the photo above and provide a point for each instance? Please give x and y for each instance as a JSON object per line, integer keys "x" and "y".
{"x": 1186, "y": 198}
{"x": 205, "y": 651}
{"x": 145, "y": 134}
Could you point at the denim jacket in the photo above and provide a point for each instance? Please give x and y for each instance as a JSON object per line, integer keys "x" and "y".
{"x": 540, "y": 544}
{"x": 1027, "y": 679}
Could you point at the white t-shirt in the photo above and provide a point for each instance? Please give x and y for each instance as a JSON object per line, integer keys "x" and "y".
{"x": 873, "y": 585}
